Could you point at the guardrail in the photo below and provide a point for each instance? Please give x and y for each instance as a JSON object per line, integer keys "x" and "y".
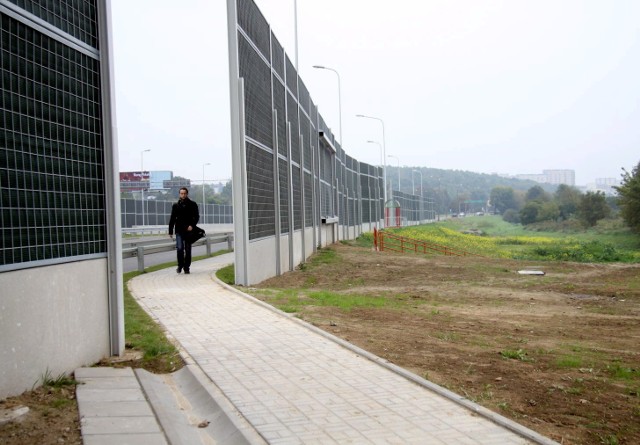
{"x": 387, "y": 241}
{"x": 146, "y": 230}
{"x": 141, "y": 248}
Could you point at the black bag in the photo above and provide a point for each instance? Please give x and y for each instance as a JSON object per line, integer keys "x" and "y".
{"x": 195, "y": 234}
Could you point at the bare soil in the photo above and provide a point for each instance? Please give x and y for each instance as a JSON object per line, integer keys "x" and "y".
{"x": 558, "y": 353}
{"x": 53, "y": 417}
{"x": 574, "y": 334}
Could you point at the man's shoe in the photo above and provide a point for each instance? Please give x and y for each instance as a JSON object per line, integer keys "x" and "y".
{"x": 179, "y": 269}
{"x": 186, "y": 271}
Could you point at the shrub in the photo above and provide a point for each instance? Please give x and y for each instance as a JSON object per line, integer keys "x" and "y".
{"x": 511, "y": 216}
{"x": 591, "y": 251}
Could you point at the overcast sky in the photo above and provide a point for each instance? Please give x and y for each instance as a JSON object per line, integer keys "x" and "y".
{"x": 512, "y": 86}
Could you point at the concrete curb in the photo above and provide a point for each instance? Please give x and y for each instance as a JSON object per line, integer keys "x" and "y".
{"x": 462, "y": 401}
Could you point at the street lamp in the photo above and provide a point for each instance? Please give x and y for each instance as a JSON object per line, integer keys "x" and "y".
{"x": 204, "y": 205}
{"x": 142, "y": 179}
{"x": 381, "y": 152}
{"x": 398, "y": 161}
{"x": 421, "y": 193}
{"x": 295, "y": 25}
{"x": 384, "y": 149}
{"x": 414, "y": 187}
{"x": 381, "y": 163}
{"x": 320, "y": 67}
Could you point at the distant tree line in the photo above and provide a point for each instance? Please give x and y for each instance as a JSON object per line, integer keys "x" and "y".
{"x": 629, "y": 197}
{"x": 195, "y": 193}
{"x": 566, "y": 203}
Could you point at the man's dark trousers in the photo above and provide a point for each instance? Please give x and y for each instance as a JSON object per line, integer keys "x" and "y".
{"x": 184, "y": 252}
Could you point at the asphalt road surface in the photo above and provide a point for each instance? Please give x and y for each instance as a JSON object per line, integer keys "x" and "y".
{"x": 131, "y": 264}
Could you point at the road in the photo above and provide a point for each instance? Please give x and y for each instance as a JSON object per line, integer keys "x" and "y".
{"x": 131, "y": 264}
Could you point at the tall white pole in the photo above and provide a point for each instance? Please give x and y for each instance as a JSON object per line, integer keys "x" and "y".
{"x": 381, "y": 153}
{"x": 142, "y": 179}
{"x": 295, "y": 24}
{"x": 381, "y": 164}
{"x": 384, "y": 149}
{"x": 204, "y": 204}
{"x": 421, "y": 193}
{"x": 320, "y": 67}
{"x": 398, "y": 161}
{"x": 418, "y": 171}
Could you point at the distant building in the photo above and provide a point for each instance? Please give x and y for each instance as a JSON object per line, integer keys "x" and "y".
{"x": 150, "y": 181}
{"x": 555, "y": 177}
{"x": 157, "y": 179}
{"x": 134, "y": 181}
{"x": 604, "y": 185}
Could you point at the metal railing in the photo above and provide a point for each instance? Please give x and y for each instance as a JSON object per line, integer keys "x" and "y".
{"x": 139, "y": 248}
{"x": 386, "y": 241}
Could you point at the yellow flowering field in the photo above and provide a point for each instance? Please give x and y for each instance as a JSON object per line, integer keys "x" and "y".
{"x": 517, "y": 245}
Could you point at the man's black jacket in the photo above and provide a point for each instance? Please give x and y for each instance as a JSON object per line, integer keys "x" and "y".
{"x": 184, "y": 213}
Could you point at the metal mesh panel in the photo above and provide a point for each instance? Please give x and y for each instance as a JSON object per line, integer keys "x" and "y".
{"x": 257, "y": 94}
{"x": 277, "y": 56}
{"x": 308, "y": 200}
{"x": 305, "y": 131}
{"x": 337, "y": 185}
{"x": 292, "y": 77}
{"x": 326, "y": 192}
{"x": 283, "y": 184}
{"x": 158, "y": 213}
{"x": 260, "y": 192}
{"x": 303, "y": 96}
{"x": 254, "y": 25}
{"x": 297, "y": 198}
{"x": 313, "y": 117}
{"x": 364, "y": 186}
{"x": 341, "y": 188}
{"x": 366, "y": 213}
{"x": 77, "y": 18}
{"x": 292, "y": 117}
{"x": 51, "y": 153}
{"x": 325, "y": 166}
{"x": 281, "y": 124}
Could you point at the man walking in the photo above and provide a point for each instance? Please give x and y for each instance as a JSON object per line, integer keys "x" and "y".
{"x": 184, "y": 217}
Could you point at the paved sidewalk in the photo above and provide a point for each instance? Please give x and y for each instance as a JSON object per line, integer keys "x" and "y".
{"x": 298, "y": 385}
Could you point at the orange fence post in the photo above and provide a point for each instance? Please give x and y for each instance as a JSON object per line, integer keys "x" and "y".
{"x": 375, "y": 238}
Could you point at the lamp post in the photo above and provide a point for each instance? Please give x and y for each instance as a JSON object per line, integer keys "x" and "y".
{"x": 142, "y": 179}
{"x": 398, "y": 161}
{"x": 384, "y": 159}
{"x": 204, "y": 205}
{"x": 295, "y": 25}
{"x": 417, "y": 171}
{"x": 381, "y": 152}
{"x": 381, "y": 163}
{"x": 421, "y": 193}
{"x": 320, "y": 67}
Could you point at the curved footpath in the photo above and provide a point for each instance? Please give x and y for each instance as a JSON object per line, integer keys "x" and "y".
{"x": 257, "y": 375}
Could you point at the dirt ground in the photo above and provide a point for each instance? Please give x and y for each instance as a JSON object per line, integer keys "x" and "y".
{"x": 558, "y": 353}
{"x": 53, "y": 417}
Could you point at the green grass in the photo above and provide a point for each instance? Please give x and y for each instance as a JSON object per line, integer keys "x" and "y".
{"x": 518, "y": 354}
{"x": 620, "y": 371}
{"x": 60, "y": 381}
{"x": 292, "y": 300}
{"x": 569, "y": 362}
{"x": 227, "y": 274}
{"x": 504, "y": 240}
